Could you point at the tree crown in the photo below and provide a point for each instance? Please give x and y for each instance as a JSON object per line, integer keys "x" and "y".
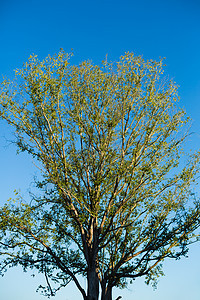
{"x": 108, "y": 141}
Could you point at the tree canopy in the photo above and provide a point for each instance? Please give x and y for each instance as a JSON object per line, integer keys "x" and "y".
{"x": 116, "y": 196}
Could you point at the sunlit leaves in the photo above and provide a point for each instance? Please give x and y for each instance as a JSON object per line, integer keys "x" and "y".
{"x": 108, "y": 140}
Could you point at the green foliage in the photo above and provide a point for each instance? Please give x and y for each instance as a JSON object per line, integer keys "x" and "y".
{"x": 108, "y": 140}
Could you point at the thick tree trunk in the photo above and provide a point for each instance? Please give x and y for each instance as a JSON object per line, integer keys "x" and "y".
{"x": 93, "y": 285}
{"x": 92, "y": 274}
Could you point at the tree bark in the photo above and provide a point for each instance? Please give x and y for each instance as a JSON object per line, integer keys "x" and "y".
{"x": 107, "y": 293}
{"x": 93, "y": 285}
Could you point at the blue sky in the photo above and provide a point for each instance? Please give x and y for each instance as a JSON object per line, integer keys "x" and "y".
{"x": 94, "y": 29}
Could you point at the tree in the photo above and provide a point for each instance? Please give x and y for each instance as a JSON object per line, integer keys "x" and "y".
{"x": 115, "y": 199}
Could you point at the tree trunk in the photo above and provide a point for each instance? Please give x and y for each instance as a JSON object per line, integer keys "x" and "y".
{"x": 107, "y": 294}
{"x": 93, "y": 285}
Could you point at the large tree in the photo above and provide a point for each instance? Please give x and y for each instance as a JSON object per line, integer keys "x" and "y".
{"x": 115, "y": 197}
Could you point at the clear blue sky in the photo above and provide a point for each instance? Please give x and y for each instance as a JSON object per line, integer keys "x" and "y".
{"x": 164, "y": 28}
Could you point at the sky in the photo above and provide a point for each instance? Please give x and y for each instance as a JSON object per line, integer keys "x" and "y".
{"x": 91, "y": 30}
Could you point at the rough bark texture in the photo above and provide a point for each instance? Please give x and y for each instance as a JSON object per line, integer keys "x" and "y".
{"x": 93, "y": 285}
